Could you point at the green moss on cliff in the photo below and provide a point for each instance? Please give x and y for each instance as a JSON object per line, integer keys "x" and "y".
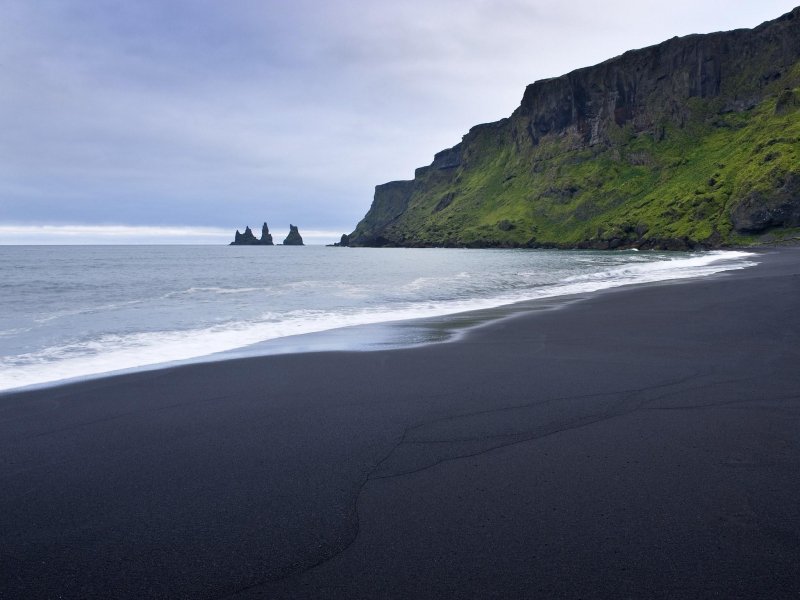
{"x": 640, "y": 189}
{"x": 695, "y": 142}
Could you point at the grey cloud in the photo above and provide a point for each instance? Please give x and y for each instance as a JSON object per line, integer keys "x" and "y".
{"x": 200, "y": 112}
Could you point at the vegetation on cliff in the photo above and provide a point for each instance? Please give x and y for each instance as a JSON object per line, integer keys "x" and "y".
{"x": 694, "y": 142}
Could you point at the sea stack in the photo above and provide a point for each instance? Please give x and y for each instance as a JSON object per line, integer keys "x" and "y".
{"x": 294, "y": 238}
{"x": 266, "y": 237}
{"x": 249, "y": 239}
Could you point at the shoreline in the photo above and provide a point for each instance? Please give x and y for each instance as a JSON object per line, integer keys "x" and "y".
{"x": 379, "y": 335}
{"x": 639, "y": 443}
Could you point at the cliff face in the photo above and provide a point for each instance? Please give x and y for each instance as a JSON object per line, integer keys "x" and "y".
{"x": 641, "y": 87}
{"x": 693, "y": 142}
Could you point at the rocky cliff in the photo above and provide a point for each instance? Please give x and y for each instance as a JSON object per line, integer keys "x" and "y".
{"x": 694, "y": 142}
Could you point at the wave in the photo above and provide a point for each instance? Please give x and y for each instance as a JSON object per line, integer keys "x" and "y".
{"x": 423, "y": 283}
{"x": 89, "y": 310}
{"x": 672, "y": 268}
{"x": 13, "y": 332}
{"x": 113, "y": 352}
{"x": 214, "y": 290}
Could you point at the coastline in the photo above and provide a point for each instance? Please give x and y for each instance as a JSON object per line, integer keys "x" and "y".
{"x": 640, "y": 442}
{"x": 387, "y": 325}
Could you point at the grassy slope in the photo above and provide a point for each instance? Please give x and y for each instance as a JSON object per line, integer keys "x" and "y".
{"x": 680, "y": 186}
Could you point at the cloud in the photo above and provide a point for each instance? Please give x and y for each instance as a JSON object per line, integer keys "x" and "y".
{"x": 138, "y": 234}
{"x": 204, "y": 113}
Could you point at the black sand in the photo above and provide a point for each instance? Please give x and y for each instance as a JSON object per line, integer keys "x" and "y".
{"x": 643, "y": 442}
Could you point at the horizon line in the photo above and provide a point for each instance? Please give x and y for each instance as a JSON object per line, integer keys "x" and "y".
{"x": 105, "y": 234}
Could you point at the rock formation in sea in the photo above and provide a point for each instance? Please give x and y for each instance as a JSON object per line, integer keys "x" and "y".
{"x": 294, "y": 238}
{"x": 343, "y": 242}
{"x": 266, "y": 237}
{"x": 249, "y": 239}
{"x": 694, "y": 142}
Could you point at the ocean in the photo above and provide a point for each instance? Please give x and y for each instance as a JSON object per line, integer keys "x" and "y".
{"x": 81, "y": 311}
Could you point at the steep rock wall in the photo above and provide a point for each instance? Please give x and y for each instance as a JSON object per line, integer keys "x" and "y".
{"x": 536, "y": 177}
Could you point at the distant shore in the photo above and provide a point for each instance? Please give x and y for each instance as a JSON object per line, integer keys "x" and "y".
{"x": 642, "y": 442}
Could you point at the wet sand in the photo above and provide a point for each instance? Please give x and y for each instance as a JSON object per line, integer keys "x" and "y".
{"x": 642, "y": 442}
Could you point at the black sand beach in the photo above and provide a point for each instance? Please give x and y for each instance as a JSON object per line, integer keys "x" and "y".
{"x": 640, "y": 443}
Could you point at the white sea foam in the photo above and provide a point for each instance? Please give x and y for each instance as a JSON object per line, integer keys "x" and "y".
{"x": 15, "y": 331}
{"x": 85, "y": 310}
{"x": 213, "y": 290}
{"x": 114, "y": 352}
{"x": 111, "y": 353}
{"x": 676, "y": 268}
{"x": 426, "y": 283}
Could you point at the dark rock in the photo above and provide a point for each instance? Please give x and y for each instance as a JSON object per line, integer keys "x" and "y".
{"x": 505, "y": 225}
{"x": 244, "y": 239}
{"x": 390, "y": 201}
{"x": 266, "y": 238}
{"x": 642, "y": 87}
{"x": 764, "y": 209}
{"x": 343, "y": 242}
{"x": 787, "y": 101}
{"x": 294, "y": 238}
{"x": 249, "y": 239}
{"x": 444, "y": 202}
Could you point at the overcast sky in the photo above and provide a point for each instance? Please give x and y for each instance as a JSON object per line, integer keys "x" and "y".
{"x": 187, "y": 119}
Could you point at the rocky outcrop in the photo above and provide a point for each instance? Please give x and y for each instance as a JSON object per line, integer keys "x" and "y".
{"x": 294, "y": 238}
{"x": 663, "y": 138}
{"x": 761, "y": 210}
{"x": 343, "y": 242}
{"x": 391, "y": 202}
{"x": 249, "y": 239}
{"x": 266, "y": 237}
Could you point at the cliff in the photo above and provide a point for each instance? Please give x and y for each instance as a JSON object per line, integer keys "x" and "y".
{"x": 694, "y": 142}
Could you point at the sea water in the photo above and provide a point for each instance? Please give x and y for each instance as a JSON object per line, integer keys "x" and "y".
{"x": 77, "y": 311}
